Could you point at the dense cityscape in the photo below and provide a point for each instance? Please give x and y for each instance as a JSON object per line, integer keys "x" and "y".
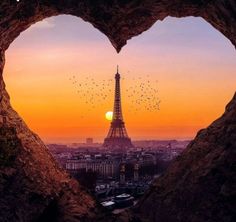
{"x": 116, "y": 174}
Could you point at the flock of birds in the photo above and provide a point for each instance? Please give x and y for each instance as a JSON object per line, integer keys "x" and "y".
{"x": 143, "y": 95}
{"x": 139, "y": 93}
{"x": 91, "y": 92}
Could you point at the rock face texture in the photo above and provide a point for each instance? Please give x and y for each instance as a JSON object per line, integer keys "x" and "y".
{"x": 201, "y": 184}
{"x": 34, "y": 188}
{"x": 119, "y": 20}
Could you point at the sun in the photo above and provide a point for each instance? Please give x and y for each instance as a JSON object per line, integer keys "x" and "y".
{"x": 109, "y": 115}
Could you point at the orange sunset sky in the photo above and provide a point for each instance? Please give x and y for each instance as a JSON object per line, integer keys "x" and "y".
{"x": 191, "y": 64}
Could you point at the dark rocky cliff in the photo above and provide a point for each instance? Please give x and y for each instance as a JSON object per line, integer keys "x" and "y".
{"x": 200, "y": 185}
{"x": 33, "y": 187}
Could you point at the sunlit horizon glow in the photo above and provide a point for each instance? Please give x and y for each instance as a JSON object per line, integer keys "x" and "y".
{"x": 194, "y": 65}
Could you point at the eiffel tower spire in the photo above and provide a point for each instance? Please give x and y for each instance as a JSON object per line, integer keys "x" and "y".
{"x": 117, "y": 136}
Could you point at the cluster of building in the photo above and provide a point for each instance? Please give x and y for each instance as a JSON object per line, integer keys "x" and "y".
{"x": 108, "y": 164}
{"x": 104, "y": 166}
{"x": 118, "y": 173}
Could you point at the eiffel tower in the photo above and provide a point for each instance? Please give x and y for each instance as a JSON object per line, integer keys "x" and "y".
{"x": 117, "y": 137}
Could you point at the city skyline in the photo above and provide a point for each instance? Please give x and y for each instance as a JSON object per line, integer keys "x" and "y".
{"x": 193, "y": 64}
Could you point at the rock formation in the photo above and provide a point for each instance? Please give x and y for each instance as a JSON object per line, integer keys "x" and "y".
{"x": 119, "y": 20}
{"x": 200, "y": 185}
{"x": 32, "y": 185}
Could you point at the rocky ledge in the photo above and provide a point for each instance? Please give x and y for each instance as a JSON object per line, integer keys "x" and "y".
{"x": 33, "y": 187}
{"x": 200, "y": 185}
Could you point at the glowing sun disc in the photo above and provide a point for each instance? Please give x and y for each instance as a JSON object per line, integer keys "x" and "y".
{"x": 109, "y": 115}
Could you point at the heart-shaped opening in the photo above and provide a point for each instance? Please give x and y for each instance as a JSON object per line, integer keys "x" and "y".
{"x": 193, "y": 64}
{"x": 187, "y": 61}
